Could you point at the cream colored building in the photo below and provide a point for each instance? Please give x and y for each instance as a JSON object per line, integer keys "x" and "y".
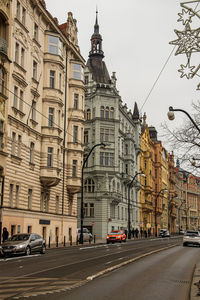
{"x": 45, "y": 124}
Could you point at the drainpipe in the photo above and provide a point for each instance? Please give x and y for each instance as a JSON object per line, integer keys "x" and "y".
{"x": 1, "y": 206}
{"x": 64, "y": 140}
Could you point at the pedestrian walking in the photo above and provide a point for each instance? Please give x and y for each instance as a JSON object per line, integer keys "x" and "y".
{"x": 145, "y": 233}
{"x": 5, "y": 234}
{"x": 136, "y": 233}
{"x": 141, "y": 232}
{"x": 133, "y": 232}
{"x": 149, "y": 232}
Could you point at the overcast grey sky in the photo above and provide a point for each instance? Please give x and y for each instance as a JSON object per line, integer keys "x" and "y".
{"x": 136, "y": 36}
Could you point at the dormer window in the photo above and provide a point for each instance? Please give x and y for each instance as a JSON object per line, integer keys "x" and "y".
{"x": 55, "y": 45}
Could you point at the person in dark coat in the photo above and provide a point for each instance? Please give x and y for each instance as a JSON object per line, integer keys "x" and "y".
{"x": 149, "y": 232}
{"x": 145, "y": 233}
{"x": 133, "y": 232}
{"x": 136, "y": 232}
{"x": 141, "y": 232}
{"x": 5, "y": 234}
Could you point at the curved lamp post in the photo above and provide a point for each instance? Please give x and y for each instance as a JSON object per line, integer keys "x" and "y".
{"x": 171, "y": 116}
{"x": 82, "y": 208}
{"x": 156, "y": 199}
{"x": 129, "y": 189}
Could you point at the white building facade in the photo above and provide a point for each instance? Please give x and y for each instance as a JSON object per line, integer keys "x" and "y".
{"x": 109, "y": 169}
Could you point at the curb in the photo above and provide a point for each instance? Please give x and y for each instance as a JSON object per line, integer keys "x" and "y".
{"x": 195, "y": 284}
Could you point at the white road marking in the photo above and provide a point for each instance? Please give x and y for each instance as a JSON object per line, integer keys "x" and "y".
{"x": 19, "y": 258}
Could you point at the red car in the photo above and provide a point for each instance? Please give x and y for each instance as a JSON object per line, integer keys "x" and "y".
{"x": 116, "y": 236}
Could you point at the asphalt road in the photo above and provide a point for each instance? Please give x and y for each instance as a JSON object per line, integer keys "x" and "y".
{"x": 66, "y": 271}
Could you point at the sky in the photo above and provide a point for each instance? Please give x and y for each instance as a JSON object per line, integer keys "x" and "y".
{"x": 136, "y": 36}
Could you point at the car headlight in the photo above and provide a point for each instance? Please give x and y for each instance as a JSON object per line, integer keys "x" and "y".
{"x": 20, "y": 246}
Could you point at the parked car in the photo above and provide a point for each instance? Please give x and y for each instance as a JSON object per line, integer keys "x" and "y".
{"x": 191, "y": 237}
{"x": 164, "y": 233}
{"x": 87, "y": 236}
{"x": 181, "y": 231}
{"x": 23, "y": 243}
{"x": 116, "y": 236}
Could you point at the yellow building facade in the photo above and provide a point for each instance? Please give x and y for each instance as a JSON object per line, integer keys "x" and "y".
{"x": 45, "y": 123}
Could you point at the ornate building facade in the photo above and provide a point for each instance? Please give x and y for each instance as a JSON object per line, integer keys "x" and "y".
{"x": 108, "y": 195}
{"x": 44, "y": 144}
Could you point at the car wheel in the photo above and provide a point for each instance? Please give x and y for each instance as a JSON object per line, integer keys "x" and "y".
{"x": 120, "y": 241}
{"x": 184, "y": 244}
{"x": 107, "y": 242}
{"x": 43, "y": 250}
{"x": 124, "y": 240}
{"x": 28, "y": 251}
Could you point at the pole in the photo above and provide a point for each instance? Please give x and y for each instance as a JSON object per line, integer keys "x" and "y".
{"x": 156, "y": 225}
{"x": 129, "y": 191}
{"x": 82, "y": 208}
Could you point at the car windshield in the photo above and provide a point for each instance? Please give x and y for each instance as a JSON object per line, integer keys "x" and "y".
{"x": 20, "y": 237}
{"x": 115, "y": 232}
{"x": 192, "y": 233}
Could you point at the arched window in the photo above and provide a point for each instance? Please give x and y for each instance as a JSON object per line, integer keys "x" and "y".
{"x": 89, "y": 185}
{"x": 102, "y": 112}
{"x": 88, "y": 114}
{"x": 107, "y": 112}
{"x": 112, "y": 112}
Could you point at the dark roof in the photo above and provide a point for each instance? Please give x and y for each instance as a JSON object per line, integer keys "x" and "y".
{"x": 98, "y": 69}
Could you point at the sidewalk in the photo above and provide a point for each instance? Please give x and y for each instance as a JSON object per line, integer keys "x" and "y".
{"x": 195, "y": 285}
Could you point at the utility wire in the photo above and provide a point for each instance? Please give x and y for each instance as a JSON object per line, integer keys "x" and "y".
{"x": 30, "y": 105}
{"x": 162, "y": 70}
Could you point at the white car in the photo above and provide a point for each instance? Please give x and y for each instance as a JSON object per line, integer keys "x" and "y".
{"x": 191, "y": 237}
{"x": 87, "y": 236}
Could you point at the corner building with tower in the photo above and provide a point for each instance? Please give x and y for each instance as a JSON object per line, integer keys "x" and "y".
{"x": 110, "y": 169}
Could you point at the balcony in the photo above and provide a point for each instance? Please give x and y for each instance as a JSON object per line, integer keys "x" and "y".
{"x": 73, "y": 185}
{"x": 49, "y": 176}
{"x": 147, "y": 206}
{"x": 147, "y": 189}
{"x": 3, "y": 46}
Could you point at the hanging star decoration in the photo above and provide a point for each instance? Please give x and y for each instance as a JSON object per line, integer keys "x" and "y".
{"x": 188, "y": 41}
{"x": 185, "y": 16}
{"x": 186, "y": 71}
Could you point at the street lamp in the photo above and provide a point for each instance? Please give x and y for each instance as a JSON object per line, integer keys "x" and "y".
{"x": 82, "y": 208}
{"x": 129, "y": 189}
{"x": 171, "y": 116}
{"x": 162, "y": 190}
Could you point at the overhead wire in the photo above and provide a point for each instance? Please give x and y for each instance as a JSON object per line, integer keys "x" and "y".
{"x": 160, "y": 73}
{"x": 30, "y": 105}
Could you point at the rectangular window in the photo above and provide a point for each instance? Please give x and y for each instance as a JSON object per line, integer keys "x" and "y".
{"x": 11, "y": 194}
{"x": 126, "y": 168}
{"x": 22, "y": 57}
{"x": 50, "y": 157}
{"x": 21, "y": 100}
{"x": 52, "y": 79}
{"x": 77, "y": 72}
{"x": 74, "y": 167}
{"x": 19, "y": 142}
{"x": 51, "y": 115}
{"x": 85, "y": 210}
{"x": 33, "y": 111}
{"x": 57, "y": 204}
{"x": 55, "y": 45}
{"x": 16, "y": 195}
{"x": 106, "y": 159}
{"x": 35, "y": 34}
{"x": 34, "y": 70}
{"x": 18, "y": 10}
{"x": 13, "y": 143}
{"x": 91, "y": 209}
{"x": 32, "y": 145}
{"x": 86, "y": 137}
{"x": 75, "y": 134}
{"x": 86, "y": 79}
{"x": 23, "y": 15}
{"x": 29, "y": 198}
{"x": 60, "y": 81}
{"x": 17, "y": 53}
{"x": 15, "y": 99}
{"x": 75, "y": 101}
